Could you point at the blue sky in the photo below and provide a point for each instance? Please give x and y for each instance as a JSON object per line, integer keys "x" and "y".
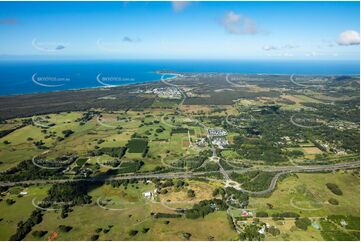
{"x": 168, "y": 30}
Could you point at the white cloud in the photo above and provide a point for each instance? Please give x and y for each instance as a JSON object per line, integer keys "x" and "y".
{"x": 283, "y": 47}
{"x": 349, "y": 37}
{"x": 239, "y": 24}
{"x": 269, "y": 47}
{"x": 180, "y": 5}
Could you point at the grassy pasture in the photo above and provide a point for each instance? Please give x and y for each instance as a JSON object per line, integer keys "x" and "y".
{"x": 20, "y": 210}
{"x": 307, "y": 195}
{"x": 135, "y": 214}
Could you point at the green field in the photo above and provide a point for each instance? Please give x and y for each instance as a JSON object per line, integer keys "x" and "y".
{"x": 11, "y": 215}
{"x": 133, "y": 214}
{"x": 308, "y": 195}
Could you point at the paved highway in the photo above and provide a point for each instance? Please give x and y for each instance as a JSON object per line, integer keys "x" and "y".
{"x": 280, "y": 170}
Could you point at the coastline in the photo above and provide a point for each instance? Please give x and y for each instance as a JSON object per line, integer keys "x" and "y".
{"x": 174, "y": 75}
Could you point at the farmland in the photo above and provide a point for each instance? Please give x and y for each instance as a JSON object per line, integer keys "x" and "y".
{"x": 278, "y": 159}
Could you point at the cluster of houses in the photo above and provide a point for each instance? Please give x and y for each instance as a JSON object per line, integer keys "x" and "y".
{"x": 201, "y": 142}
{"x": 221, "y": 142}
{"x": 218, "y": 137}
{"x": 150, "y": 194}
{"x": 217, "y": 132}
{"x": 162, "y": 92}
{"x": 325, "y": 146}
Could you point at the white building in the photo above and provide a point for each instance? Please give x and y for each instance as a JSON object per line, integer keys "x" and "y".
{"x": 217, "y": 132}
{"x": 148, "y": 194}
{"x": 220, "y": 142}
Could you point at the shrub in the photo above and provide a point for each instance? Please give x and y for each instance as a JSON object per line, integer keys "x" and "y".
{"x": 39, "y": 233}
{"x": 65, "y": 228}
{"x": 286, "y": 215}
{"x": 333, "y": 201}
{"x": 10, "y": 201}
{"x": 334, "y": 188}
{"x": 94, "y": 237}
{"x": 167, "y": 215}
{"x": 261, "y": 214}
{"x": 25, "y": 227}
{"x": 191, "y": 193}
{"x": 67, "y": 132}
{"x": 133, "y": 232}
{"x": 274, "y": 231}
{"x": 303, "y": 223}
{"x": 186, "y": 236}
{"x": 205, "y": 207}
{"x": 250, "y": 232}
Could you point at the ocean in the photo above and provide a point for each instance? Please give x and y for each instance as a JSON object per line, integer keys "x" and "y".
{"x": 34, "y": 76}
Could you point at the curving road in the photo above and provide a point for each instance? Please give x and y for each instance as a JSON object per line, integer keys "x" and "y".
{"x": 286, "y": 170}
{"x": 171, "y": 175}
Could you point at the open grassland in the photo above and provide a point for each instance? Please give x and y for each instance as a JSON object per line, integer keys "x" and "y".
{"x": 86, "y": 220}
{"x": 11, "y": 215}
{"x": 290, "y": 232}
{"x": 308, "y": 195}
{"x": 178, "y": 197}
{"x": 129, "y": 210}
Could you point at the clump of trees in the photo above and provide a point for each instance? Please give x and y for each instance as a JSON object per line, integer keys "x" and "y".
{"x": 167, "y": 215}
{"x": 94, "y": 237}
{"x": 133, "y": 232}
{"x": 334, "y": 188}
{"x": 205, "y": 207}
{"x": 75, "y": 192}
{"x": 186, "y": 236}
{"x": 250, "y": 233}
{"x": 261, "y": 214}
{"x": 273, "y": 230}
{"x": 10, "y": 201}
{"x": 40, "y": 145}
{"x": 39, "y": 233}
{"x": 24, "y": 228}
{"x": 26, "y": 170}
{"x": 67, "y": 132}
{"x": 65, "y": 228}
{"x": 87, "y": 116}
{"x": 219, "y": 191}
{"x": 286, "y": 215}
{"x": 302, "y": 223}
{"x": 145, "y": 230}
{"x": 191, "y": 193}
